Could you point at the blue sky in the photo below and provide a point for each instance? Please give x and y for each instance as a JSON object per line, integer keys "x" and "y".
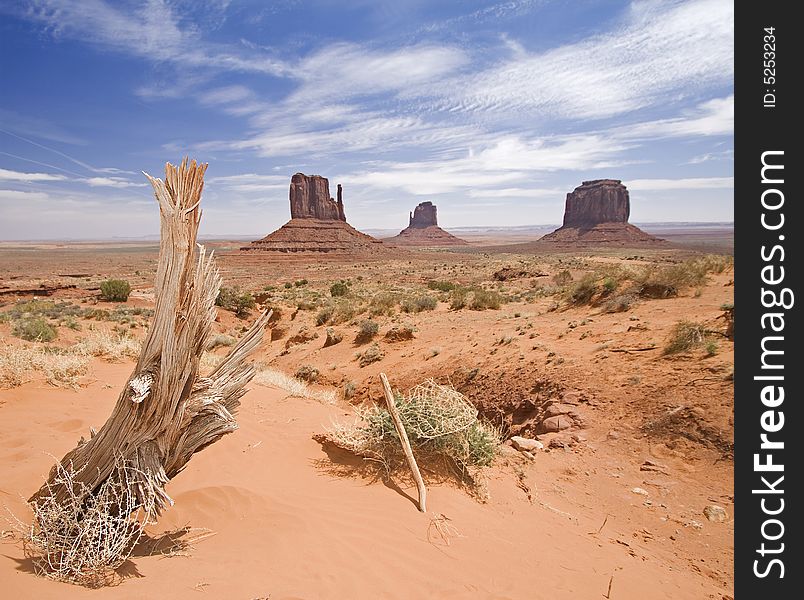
{"x": 492, "y": 110}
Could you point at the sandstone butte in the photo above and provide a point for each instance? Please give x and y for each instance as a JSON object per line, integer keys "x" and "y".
{"x": 596, "y": 213}
{"x": 317, "y": 222}
{"x": 423, "y": 230}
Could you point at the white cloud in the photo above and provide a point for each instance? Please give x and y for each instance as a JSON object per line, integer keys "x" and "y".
{"x": 713, "y": 117}
{"x": 6, "y": 175}
{"x": 117, "y": 182}
{"x": 18, "y": 196}
{"x": 662, "y": 48}
{"x": 692, "y": 183}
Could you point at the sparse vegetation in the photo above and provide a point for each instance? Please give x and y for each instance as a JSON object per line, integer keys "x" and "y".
{"x": 416, "y": 304}
{"x": 307, "y": 373}
{"x": 115, "y": 290}
{"x": 219, "y": 340}
{"x": 441, "y": 286}
{"x": 562, "y": 278}
{"x": 368, "y": 329}
{"x": 685, "y": 335}
{"x": 35, "y": 329}
{"x": 232, "y": 299}
{"x": 294, "y": 387}
{"x": 584, "y": 290}
{"x": 485, "y": 299}
{"x": 338, "y": 289}
{"x": 441, "y": 425}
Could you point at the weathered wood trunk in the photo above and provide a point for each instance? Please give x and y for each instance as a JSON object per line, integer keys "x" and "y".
{"x": 167, "y": 411}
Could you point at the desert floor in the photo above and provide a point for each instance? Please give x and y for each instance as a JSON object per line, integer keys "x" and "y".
{"x": 613, "y": 507}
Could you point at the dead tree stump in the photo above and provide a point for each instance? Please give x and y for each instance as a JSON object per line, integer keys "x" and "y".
{"x": 167, "y": 411}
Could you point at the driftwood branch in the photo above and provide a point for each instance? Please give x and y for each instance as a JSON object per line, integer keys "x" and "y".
{"x": 403, "y": 436}
{"x": 167, "y": 411}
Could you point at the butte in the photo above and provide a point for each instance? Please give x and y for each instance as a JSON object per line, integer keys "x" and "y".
{"x": 423, "y": 230}
{"x": 317, "y": 223}
{"x": 596, "y": 214}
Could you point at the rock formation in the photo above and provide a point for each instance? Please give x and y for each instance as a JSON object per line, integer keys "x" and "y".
{"x": 423, "y": 230}
{"x": 596, "y": 213}
{"x": 317, "y": 222}
{"x": 310, "y": 199}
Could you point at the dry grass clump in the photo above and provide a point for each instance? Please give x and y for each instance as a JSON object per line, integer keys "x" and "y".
{"x": 686, "y": 335}
{"x": 442, "y": 426}
{"x": 84, "y": 539}
{"x": 475, "y": 298}
{"x": 383, "y": 303}
{"x": 294, "y": 387}
{"x": 219, "y": 340}
{"x": 109, "y": 345}
{"x": 18, "y": 364}
{"x": 417, "y": 304}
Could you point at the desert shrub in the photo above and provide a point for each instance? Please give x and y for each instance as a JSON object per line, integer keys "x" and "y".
{"x": 562, "y": 278}
{"x": 684, "y": 336}
{"x": 34, "y": 329}
{"x": 441, "y": 286}
{"x": 115, "y": 290}
{"x": 440, "y": 423}
{"x": 84, "y": 539}
{"x": 416, "y": 304}
{"x": 370, "y": 355}
{"x": 219, "y": 340}
{"x": 232, "y": 299}
{"x": 324, "y": 315}
{"x": 485, "y": 299}
{"x": 583, "y": 291}
{"x": 300, "y": 282}
{"x": 383, "y": 303}
{"x": 458, "y": 298}
{"x": 307, "y": 373}
{"x": 345, "y": 311}
{"x": 288, "y": 285}
{"x": 609, "y": 285}
{"x": 368, "y": 329}
{"x": 337, "y": 289}
{"x": 711, "y": 348}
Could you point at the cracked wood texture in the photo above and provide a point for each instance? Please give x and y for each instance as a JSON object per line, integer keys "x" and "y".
{"x": 167, "y": 411}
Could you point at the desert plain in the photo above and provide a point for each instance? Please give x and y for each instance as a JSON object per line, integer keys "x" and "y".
{"x": 572, "y": 348}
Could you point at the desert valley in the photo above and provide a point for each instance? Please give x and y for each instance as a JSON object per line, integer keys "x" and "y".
{"x": 596, "y": 362}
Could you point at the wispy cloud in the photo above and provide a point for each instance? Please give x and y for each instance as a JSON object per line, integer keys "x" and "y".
{"x": 655, "y": 52}
{"x": 692, "y": 183}
{"x": 6, "y": 175}
{"x": 154, "y": 31}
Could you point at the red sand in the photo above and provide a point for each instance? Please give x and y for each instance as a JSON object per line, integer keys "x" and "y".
{"x": 287, "y": 526}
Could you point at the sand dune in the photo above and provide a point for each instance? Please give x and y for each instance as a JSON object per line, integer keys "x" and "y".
{"x": 291, "y": 521}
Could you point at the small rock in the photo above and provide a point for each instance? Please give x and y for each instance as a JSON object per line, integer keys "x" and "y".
{"x": 640, "y": 491}
{"x": 715, "y": 513}
{"x": 558, "y": 408}
{"x": 526, "y": 444}
{"x": 333, "y": 337}
{"x": 556, "y": 423}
